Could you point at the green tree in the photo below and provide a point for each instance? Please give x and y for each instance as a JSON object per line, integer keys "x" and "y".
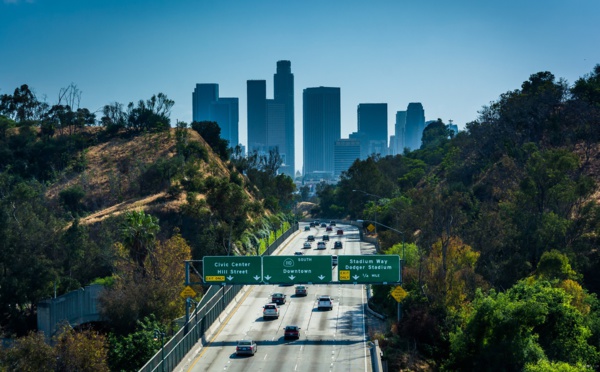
{"x": 29, "y": 354}
{"x": 211, "y": 132}
{"x": 130, "y": 352}
{"x": 139, "y": 233}
{"x": 528, "y": 323}
{"x": 84, "y": 351}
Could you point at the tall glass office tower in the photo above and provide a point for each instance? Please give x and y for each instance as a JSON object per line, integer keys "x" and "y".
{"x": 283, "y": 82}
{"x": 322, "y": 127}
{"x": 257, "y": 115}
{"x": 271, "y": 121}
{"x": 208, "y": 106}
{"x": 372, "y": 124}
{"x": 415, "y": 124}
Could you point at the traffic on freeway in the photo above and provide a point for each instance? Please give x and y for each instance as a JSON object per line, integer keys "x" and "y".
{"x": 317, "y": 327}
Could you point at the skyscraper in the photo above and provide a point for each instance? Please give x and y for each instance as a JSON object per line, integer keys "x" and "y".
{"x": 208, "y": 106}
{"x": 283, "y": 83}
{"x": 372, "y": 123}
{"x": 226, "y": 112}
{"x": 346, "y": 151}
{"x": 415, "y": 124}
{"x": 257, "y": 115}
{"x": 202, "y": 97}
{"x": 271, "y": 122}
{"x": 400, "y": 132}
{"x": 322, "y": 127}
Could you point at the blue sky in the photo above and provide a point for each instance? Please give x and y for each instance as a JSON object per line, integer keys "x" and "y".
{"x": 453, "y": 57}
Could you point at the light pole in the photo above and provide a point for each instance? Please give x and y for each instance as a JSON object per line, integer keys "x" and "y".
{"x": 159, "y": 334}
{"x": 375, "y": 196}
{"x": 401, "y": 262}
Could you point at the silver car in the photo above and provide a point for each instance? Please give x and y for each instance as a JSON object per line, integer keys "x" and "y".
{"x": 246, "y": 347}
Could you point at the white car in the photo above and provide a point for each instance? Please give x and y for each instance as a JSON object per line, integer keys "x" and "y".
{"x": 270, "y": 311}
{"x": 325, "y": 302}
{"x": 321, "y": 245}
{"x": 307, "y": 245}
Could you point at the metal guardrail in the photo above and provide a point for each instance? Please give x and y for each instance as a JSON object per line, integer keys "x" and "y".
{"x": 208, "y": 310}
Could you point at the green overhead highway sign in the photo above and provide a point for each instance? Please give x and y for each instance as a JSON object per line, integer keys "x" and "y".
{"x": 297, "y": 269}
{"x": 369, "y": 269}
{"x": 232, "y": 269}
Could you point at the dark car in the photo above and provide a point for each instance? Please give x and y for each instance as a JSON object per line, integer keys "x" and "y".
{"x": 325, "y": 238}
{"x": 301, "y": 290}
{"x": 246, "y": 347}
{"x": 306, "y": 228}
{"x": 278, "y": 298}
{"x": 332, "y": 223}
{"x": 311, "y": 238}
{"x": 329, "y": 228}
{"x": 312, "y": 224}
{"x": 291, "y": 332}
{"x": 340, "y": 232}
{"x": 298, "y": 253}
{"x": 337, "y": 245}
{"x": 323, "y": 224}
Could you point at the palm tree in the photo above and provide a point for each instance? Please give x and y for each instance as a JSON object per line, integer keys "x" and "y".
{"x": 138, "y": 234}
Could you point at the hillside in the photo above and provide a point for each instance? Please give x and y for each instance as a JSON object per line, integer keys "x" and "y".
{"x": 113, "y": 180}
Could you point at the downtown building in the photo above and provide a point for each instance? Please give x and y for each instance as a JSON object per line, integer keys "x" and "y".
{"x": 398, "y": 143}
{"x": 415, "y": 124}
{"x": 372, "y": 129}
{"x": 271, "y": 121}
{"x": 208, "y": 106}
{"x": 321, "y": 109}
{"x": 345, "y": 152}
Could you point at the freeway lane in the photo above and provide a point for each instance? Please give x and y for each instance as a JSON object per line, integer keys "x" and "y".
{"x": 330, "y": 340}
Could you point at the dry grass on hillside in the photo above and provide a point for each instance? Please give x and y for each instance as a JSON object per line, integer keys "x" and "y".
{"x": 110, "y": 180}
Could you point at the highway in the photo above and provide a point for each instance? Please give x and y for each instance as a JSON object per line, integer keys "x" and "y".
{"x": 330, "y": 340}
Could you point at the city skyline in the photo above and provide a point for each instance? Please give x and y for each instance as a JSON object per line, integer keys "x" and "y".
{"x": 454, "y": 57}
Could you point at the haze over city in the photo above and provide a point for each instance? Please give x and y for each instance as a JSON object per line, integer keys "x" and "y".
{"x": 453, "y": 57}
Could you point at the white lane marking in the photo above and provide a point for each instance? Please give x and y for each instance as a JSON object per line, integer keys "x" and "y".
{"x": 265, "y": 358}
{"x": 363, "y": 327}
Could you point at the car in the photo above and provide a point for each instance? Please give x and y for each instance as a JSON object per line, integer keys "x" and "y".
{"x": 334, "y": 260}
{"x": 331, "y": 223}
{"x": 307, "y": 245}
{"x": 246, "y": 347}
{"x": 321, "y": 245}
{"x": 298, "y": 253}
{"x": 291, "y": 331}
{"x": 312, "y": 224}
{"x": 311, "y": 238}
{"x": 323, "y": 224}
{"x": 329, "y": 228}
{"x": 325, "y": 302}
{"x": 306, "y": 228}
{"x": 325, "y": 238}
{"x": 340, "y": 232}
{"x": 301, "y": 290}
{"x": 278, "y": 298}
{"x": 270, "y": 310}
{"x": 337, "y": 245}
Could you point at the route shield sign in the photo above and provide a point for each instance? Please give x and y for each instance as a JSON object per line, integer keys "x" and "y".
{"x": 297, "y": 269}
{"x": 369, "y": 269}
{"x": 232, "y": 269}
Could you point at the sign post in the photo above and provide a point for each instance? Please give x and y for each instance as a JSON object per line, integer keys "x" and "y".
{"x": 383, "y": 269}
{"x": 399, "y": 294}
{"x": 297, "y": 269}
